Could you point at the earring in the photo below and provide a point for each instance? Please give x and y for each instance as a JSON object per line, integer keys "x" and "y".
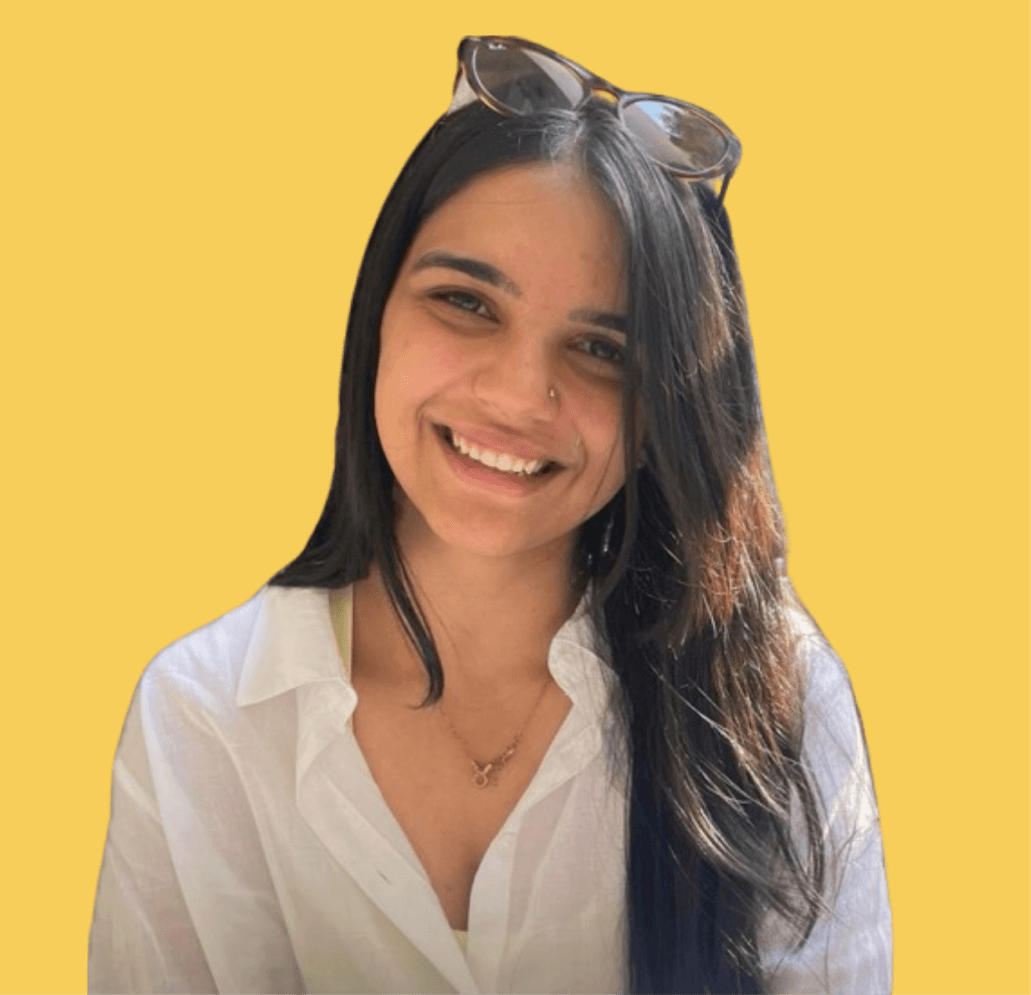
{"x": 551, "y": 393}
{"x": 606, "y": 539}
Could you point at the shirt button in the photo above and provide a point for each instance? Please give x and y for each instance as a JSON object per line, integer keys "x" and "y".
{"x": 505, "y": 843}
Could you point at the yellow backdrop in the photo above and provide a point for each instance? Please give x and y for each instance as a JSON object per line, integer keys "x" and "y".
{"x": 186, "y": 192}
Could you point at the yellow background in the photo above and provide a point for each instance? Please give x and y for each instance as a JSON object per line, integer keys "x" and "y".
{"x": 186, "y": 189}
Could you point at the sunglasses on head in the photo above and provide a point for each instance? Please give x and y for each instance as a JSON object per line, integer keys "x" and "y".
{"x": 516, "y": 77}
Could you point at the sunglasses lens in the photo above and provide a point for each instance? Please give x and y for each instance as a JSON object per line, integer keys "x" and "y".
{"x": 524, "y": 81}
{"x": 675, "y": 136}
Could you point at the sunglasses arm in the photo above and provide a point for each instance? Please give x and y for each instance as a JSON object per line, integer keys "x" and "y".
{"x": 464, "y": 94}
{"x": 723, "y": 187}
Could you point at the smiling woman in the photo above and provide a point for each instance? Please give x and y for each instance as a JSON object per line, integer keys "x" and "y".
{"x": 536, "y": 708}
{"x": 498, "y": 334}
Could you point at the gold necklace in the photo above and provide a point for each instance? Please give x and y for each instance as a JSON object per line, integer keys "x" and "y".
{"x": 487, "y": 773}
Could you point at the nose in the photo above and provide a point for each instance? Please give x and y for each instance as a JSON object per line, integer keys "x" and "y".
{"x": 516, "y": 382}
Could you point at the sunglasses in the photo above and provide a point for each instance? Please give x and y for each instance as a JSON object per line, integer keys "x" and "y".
{"x": 516, "y": 77}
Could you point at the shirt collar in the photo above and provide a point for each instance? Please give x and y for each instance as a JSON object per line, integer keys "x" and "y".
{"x": 293, "y": 644}
{"x": 577, "y": 663}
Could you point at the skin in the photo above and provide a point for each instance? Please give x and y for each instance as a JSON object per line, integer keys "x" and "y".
{"x": 523, "y": 356}
{"x": 457, "y": 350}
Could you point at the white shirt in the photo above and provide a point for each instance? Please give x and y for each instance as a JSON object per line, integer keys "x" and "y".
{"x": 250, "y": 849}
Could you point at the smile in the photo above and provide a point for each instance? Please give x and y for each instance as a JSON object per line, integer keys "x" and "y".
{"x": 500, "y": 462}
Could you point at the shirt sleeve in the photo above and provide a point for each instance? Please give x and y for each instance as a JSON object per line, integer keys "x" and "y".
{"x": 850, "y": 948}
{"x": 142, "y": 938}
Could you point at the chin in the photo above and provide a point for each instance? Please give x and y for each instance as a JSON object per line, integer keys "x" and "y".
{"x": 490, "y": 538}
{"x": 497, "y": 544}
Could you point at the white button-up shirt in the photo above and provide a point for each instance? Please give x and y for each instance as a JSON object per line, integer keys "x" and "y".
{"x": 250, "y": 849}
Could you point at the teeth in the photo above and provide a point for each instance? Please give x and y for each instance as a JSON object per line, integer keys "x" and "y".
{"x": 502, "y": 462}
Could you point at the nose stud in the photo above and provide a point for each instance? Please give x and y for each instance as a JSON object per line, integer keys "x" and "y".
{"x": 551, "y": 393}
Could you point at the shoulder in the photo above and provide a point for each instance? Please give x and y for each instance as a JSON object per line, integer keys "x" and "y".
{"x": 279, "y": 640}
{"x": 829, "y": 703}
{"x": 182, "y": 714}
{"x": 849, "y": 948}
{"x": 834, "y": 743}
{"x": 205, "y": 664}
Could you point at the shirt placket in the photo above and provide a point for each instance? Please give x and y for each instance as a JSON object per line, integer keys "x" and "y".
{"x": 338, "y": 798}
{"x": 489, "y": 906}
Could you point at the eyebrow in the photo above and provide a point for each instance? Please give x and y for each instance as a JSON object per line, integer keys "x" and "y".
{"x": 475, "y": 268}
{"x": 479, "y": 270}
{"x": 603, "y": 319}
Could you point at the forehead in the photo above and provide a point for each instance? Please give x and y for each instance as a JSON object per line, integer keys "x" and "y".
{"x": 542, "y": 224}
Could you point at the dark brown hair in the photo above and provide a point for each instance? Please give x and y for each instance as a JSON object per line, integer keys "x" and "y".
{"x": 684, "y": 567}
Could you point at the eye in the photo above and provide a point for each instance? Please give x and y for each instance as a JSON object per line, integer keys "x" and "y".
{"x": 603, "y": 349}
{"x": 463, "y": 300}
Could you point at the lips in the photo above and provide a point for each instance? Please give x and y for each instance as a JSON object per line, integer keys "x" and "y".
{"x": 507, "y": 456}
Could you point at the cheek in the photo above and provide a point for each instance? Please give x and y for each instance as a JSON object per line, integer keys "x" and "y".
{"x": 415, "y": 358}
{"x": 602, "y": 425}
{"x": 416, "y": 365}
{"x": 393, "y": 383}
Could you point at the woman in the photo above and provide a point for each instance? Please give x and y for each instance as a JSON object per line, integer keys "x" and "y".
{"x": 536, "y": 708}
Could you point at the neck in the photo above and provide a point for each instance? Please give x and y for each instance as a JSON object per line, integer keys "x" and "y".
{"x": 492, "y": 618}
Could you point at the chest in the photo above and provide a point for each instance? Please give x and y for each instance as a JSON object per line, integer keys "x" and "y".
{"x": 426, "y": 775}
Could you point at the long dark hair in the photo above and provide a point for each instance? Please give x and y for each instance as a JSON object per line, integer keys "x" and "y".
{"x": 684, "y": 567}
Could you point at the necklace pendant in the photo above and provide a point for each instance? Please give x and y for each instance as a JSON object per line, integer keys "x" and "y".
{"x": 481, "y": 775}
